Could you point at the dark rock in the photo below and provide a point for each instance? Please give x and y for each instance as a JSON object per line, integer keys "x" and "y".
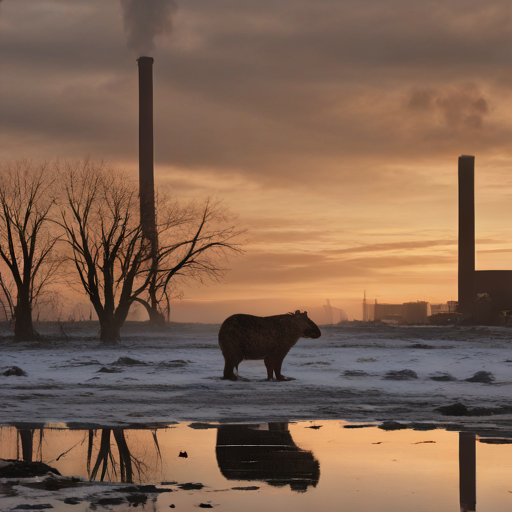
{"x": 183, "y": 454}
{"x": 109, "y": 370}
{"x": 190, "y": 486}
{"x": 172, "y": 505}
{"x": 495, "y": 441}
{"x": 72, "y": 501}
{"x": 205, "y": 505}
{"x": 442, "y": 377}
{"x": 392, "y": 425}
{"x": 456, "y": 409}
{"x": 248, "y": 488}
{"x": 401, "y": 375}
{"x": 21, "y": 469}
{"x": 128, "y": 361}
{"x": 423, "y": 346}
{"x": 14, "y": 371}
{"x": 484, "y": 377}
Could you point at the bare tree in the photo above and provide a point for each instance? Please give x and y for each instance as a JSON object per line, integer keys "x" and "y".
{"x": 100, "y": 218}
{"x": 27, "y": 201}
{"x": 195, "y": 241}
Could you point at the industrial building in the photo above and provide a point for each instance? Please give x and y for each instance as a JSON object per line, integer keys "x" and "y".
{"x": 406, "y": 313}
{"x": 485, "y": 296}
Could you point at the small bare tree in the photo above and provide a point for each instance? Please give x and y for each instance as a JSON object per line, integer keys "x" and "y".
{"x": 27, "y": 201}
{"x": 7, "y": 295}
{"x": 100, "y": 218}
{"x": 195, "y": 241}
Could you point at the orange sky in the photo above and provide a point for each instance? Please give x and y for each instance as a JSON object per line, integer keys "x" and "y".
{"x": 332, "y": 129}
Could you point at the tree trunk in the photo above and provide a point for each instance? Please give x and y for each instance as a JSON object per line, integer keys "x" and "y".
{"x": 23, "y": 327}
{"x": 155, "y": 317}
{"x": 110, "y": 330}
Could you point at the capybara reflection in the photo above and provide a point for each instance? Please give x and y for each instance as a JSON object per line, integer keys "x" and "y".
{"x": 266, "y": 453}
{"x": 268, "y": 338}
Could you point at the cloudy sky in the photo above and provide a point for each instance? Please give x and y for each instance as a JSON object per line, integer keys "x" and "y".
{"x": 331, "y": 127}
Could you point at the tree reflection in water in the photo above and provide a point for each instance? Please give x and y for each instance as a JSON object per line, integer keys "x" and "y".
{"x": 266, "y": 453}
{"x": 105, "y": 458}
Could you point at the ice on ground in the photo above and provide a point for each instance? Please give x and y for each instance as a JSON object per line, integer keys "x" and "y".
{"x": 174, "y": 374}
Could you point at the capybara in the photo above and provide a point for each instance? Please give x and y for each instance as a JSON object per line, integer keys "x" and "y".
{"x": 268, "y": 338}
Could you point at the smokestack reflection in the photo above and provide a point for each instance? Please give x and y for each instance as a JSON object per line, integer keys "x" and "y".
{"x": 467, "y": 471}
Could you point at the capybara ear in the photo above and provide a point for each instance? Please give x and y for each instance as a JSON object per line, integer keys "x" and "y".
{"x": 297, "y": 313}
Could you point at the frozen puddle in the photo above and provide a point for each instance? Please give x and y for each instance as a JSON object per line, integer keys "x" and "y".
{"x": 303, "y": 466}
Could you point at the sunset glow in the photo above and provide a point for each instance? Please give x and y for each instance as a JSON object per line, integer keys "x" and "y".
{"x": 331, "y": 128}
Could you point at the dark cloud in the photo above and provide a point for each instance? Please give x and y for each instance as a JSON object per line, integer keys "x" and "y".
{"x": 144, "y": 20}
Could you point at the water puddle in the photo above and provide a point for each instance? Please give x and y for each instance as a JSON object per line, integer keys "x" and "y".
{"x": 324, "y": 465}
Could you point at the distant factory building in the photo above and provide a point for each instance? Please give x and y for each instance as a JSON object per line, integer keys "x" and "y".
{"x": 406, "y": 313}
{"x": 485, "y": 296}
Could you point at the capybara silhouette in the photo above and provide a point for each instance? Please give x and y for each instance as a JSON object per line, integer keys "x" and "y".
{"x": 269, "y": 338}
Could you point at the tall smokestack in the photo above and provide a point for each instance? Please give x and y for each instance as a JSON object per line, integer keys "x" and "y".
{"x": 466, "y": 233}
{"x": 146, "y": 156}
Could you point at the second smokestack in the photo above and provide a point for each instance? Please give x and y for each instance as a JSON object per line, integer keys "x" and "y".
{"x": 466, "y": 234}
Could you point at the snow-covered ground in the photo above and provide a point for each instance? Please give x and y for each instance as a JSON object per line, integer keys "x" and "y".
{"x": 174, "y": 374}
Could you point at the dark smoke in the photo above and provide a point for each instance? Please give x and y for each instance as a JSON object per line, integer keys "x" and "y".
{"x": 144, "y": 20}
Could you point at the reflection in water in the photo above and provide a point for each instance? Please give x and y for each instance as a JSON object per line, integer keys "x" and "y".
{"x": 249, "y": 452}
{"x": 105, "y": 458}
{"x": 467, "y": 471}
{"x": 25, "y": 437}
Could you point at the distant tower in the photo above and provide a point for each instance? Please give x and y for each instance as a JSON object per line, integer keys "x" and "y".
{"x": 365, "y": 308}
{"x": 466, "y": 234}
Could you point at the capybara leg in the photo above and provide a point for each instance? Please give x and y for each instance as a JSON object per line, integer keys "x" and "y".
{"x": 277, "y": 369}
{"x": 269, "y": 363}
{"x": 229, "y": 366}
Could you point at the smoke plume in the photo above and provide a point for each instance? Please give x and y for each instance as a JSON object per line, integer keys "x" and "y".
{"x": 461, "y": 106}
{"x": 144, "y": 20}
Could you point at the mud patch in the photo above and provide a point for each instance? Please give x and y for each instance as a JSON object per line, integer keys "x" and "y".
{"x": 355, "y": 373}
{"x": 442, "y": 377}
{"x": 104, "y": 369}
{"x": 128, "y": 361}
{"x": 14, "y": 371}
{"x": 401, "y": 375}
{"x": 483, "y": 377}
